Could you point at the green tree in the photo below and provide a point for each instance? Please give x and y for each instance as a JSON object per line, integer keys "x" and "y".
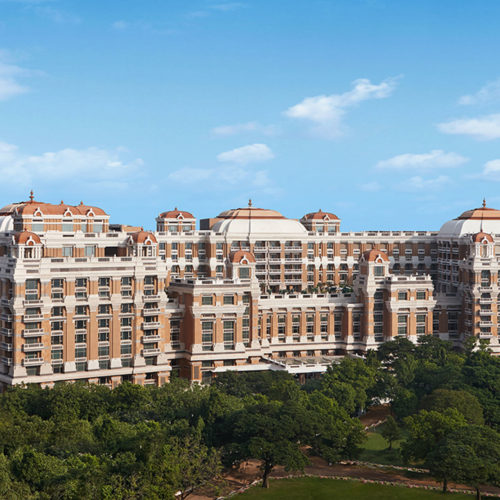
{"x": 467, "y": 404}
{"x": 391, "y": 431}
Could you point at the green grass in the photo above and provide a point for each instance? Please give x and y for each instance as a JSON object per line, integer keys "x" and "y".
{"x": 375, "y": 449}
{"x": 310, "y": 488}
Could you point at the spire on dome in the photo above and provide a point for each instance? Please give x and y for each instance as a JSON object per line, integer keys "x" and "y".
{"x": 31, "y": 196}
{"x": 250, "y": 203}
{"x": 484, "y": 202}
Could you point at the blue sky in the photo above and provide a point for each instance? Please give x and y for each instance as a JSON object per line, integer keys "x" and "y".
{"x": 386, "y": 113}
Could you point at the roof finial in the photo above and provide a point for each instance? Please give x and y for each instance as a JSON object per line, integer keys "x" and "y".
{"x": 175, "y": 209}
{"x": 31, "y": 196}
{"x": 484, "y": 202}
{"x": 249, "y": 202}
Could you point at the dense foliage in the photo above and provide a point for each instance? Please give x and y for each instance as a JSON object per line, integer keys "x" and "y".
{"x": 76, "y": 441}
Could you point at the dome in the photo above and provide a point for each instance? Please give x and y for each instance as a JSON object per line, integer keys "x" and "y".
{"x": 27, "y": 238}
{"x": 375, "y": 256}
{"x": 473, "y": 221}
{"x": 257, "y": 222}
{"x": 33, "y": 207}
{"x": 6, "y": 223}
{"x": 320, "y": 215}
{"x": 143, "y": 238}
{"x": 482, "y": 237}
{"x": 176, "y": 214}
{"x": 239, "y": 255}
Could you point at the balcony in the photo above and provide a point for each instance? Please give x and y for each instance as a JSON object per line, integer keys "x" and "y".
{"x": 5, "y": 346}
{"x": 154, "y": 311}
{"x": 150, "y": 325}
{"x": 150, "y": 298}
{"x": 36, "y": 332}
{"x": 151, "y": 352}
{"x": 486, "y": 301}
{"x": 6, "y": 331}
{"x": 293, "y": 249}
{"x": 33, "y": 347}
{"x": 485, "y": 323}
{"x": 33, "y": 317}
{"x": 33, "y": 302}
{"x": 151, "y": 338}
{"x": 33, "y": 361}
{"x": 7, "y": 317}
{"x": 483, "y": 312}
{"x": 6, "y": 361}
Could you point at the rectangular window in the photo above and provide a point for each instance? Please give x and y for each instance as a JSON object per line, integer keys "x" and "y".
{"x": 103, "y": 336}
{"x": 125, "y": 335}
{"x": 420, "y": 295}
{"x": 228, "y": 299}
{"x": 80, "y": 324}
{"x": 244, "y": 272}
{"x": 206, "y": 300}
{"x": 67, "y": 251}
{"x": 126, "y": 349}
{"x": 207, "y": 337}
{"x": 228, "y": 334}
{"x": 89, "y": 250}
{"x": 402, "y": 295}
{"x": 81, "y": 282}
{"x": 378, "y": 270}
{"x": 80, "y": 352}
{"x": 103, "y": 350}
{"x": 67, "y": 226}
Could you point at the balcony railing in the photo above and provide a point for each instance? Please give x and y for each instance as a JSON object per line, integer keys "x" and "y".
{"x": 33, "y": 333}
{"x": 32, "y": 361}
{"x": 150, "y": 298}
{"x": 151, "y": 312}
{"x": 33, "y": 347}
{"x": 151, "y": 338}
{"x": 151, "y": 352}
{"x": 150, "y": 325}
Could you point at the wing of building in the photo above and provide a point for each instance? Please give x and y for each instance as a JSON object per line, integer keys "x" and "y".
{"x": 81, "y": 299}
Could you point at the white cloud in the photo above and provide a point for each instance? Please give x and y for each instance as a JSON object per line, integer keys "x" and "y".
{"x": 66, "y": 167}
{"x": 327, "y": 111}
{"x": 120, "y": 25}
{"x": 418, "y": 183}
{"x": 489, "y": 93}
{"x": 491, "y": 170}
{"x": 371, "y": 186}
{"x": 485, "y": 127}
{"x": 9, "y": 78}
{"x": 240, "y": 128}
{"x": 227, "y": 6}
{"x": 247, "y": 154}
{"x": 437, "y": 158}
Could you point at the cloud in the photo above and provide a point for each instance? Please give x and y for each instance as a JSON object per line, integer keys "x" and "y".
{"x": 327, "y": 111}
{"x": 418, "y": 183}
{"x": 67, "y": 167}
{"x": 491, "y": 170}
{"x": 9, "y": 78}
{"x": 120, "y": 25}
{"x": 216, "y": 7}
{"x": 486, "y": 94}
{"x": 370, "y": 186}
{"x": 241, "y": 128}
{"x": 485, "y": 127}
{"x": 437, "y": 158}
{"x": 252, "y": 153}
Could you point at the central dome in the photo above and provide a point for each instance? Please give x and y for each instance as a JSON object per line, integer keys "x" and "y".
{"x": 473, "y": 221}
{"x": 257, "y": 222}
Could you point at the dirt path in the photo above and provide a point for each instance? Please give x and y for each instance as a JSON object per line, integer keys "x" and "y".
{"x": 249, "y": 471}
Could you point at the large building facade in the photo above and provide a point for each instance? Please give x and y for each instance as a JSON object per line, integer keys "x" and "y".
{"x": 81, "y": 299}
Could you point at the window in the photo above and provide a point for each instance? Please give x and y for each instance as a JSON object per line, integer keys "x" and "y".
{"x": 80, "y": 352}
{"x": 378, "y": 270}
{"x": 126, "y": 308}
{"x": 228, "y": 299}
{"x": 67, "y": 226}
{"x": 37, "y": 226}
{"x": 125, "y": 321}
{"x": 81, "y": 282}
{"x": 103, "y": 350}
{"x": 421, "y": 319}
{"x": 402, "y": 324}
{"x": 56, "y": 340}
{"x": 67, "y": 251}
{"x": 56, "y": 326}
{"x": 104, "y": 309}
{"x": 206, "y": 300}
{"x": 80, "y": 338}
{"x": 103, "y": 336}
{"x": 89, "y": 250}
{"x": 125, "y": 335}
{"x": 104, "y": 282}
{"x": 244, "y": 272}
{"x": 103, "y": 323}
{"x": 296, "y": 324}
{"x": 126, "y": 349}
{"x": 207, "y": 330}
{"x": 97, "y": 226}
{"x": 80, "y": 324}
{"x": 56, "y": 354}
{"x": 80, "y": 310}
{"x": 57, "y": 282}
{"x": 126, "y": 281}
{"x": 228, "y": 334}
{"x": 81, "y": 366}
{"x": 420, "y": 295}
{"x": 402, "y": 296}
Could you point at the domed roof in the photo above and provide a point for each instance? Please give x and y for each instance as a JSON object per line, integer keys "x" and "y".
{"x": 142, "y": 237}
{"x": 481, "y": 237}
{"x": 259, "y": 222}
{"x": 375, "y": 256}
{"x": 27, "y": 238}
{"x": 320, "y": 215}
{"x": 32, "y": 207}
{"x": 176, "y": 214}
{"x": 473, "y": 221}
{"x": 240, "y": 255}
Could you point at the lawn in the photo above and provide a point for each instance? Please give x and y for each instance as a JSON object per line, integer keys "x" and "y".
{"x": 375, "y": 449}
{"x": 310, "y": 488}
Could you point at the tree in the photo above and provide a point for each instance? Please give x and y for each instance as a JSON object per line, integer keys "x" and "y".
{"x": 271, "y": 432}
{"x": 426, "y": 429}
{"x": 467, "y": 404}
{"x": 471, "y": 454}
{"x": 391, "y": 431}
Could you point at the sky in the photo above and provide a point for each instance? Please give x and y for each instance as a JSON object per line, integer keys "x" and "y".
{"x": 386, "y": 113}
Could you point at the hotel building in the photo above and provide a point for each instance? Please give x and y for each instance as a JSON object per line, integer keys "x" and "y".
{"x": 82, "y": 299}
